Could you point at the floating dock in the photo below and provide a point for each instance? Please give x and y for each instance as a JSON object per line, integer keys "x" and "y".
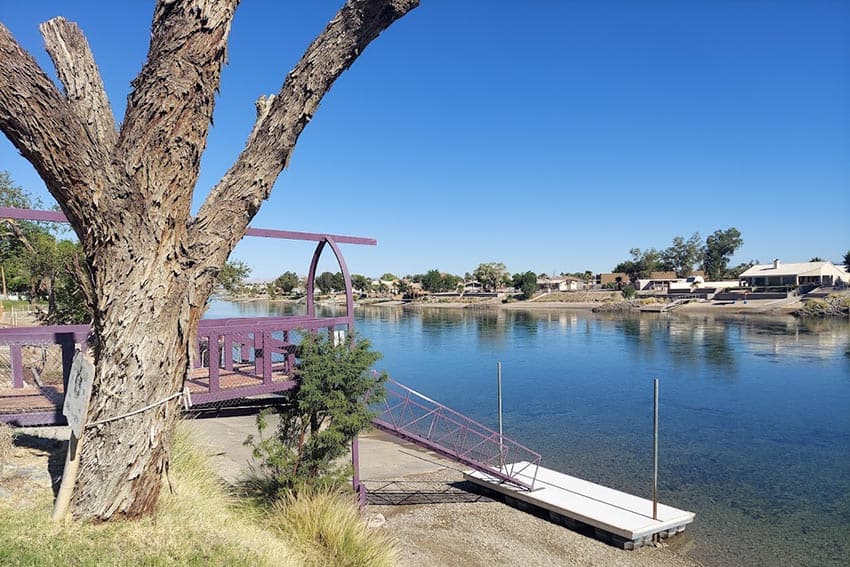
{"x": 618, "y": 518}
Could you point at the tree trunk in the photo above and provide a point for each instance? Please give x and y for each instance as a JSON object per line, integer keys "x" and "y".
{"x": 128, "y": 196}
{"x": 143, "y": 328}
{"x": 51, "y": 295}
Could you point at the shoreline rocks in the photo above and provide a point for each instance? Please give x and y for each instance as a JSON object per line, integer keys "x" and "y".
{"x": 830, "y": 306}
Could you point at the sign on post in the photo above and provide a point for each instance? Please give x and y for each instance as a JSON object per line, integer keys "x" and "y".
{"x": 78, "y": 393}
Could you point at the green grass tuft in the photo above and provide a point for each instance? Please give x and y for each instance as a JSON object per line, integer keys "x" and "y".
{"x": 327, "y": 528}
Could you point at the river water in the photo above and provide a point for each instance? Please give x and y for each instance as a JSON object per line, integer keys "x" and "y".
{"x": 754, "y": 411}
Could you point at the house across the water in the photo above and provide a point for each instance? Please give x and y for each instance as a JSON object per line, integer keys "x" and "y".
{"x": 795, "y": 274}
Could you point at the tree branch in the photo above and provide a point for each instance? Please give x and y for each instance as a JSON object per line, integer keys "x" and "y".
{"x": 35, "y": 118}
{"x": 170, "y": 108}
{"x": 70, "y": 52}
{"x": 19, "y": 234}
{"x": 230, "y": 206}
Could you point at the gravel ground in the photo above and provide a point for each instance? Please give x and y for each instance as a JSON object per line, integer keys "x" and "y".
{"x": 452, "y": 527}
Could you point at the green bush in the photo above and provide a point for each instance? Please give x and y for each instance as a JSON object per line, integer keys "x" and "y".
{"x": 629, "y": 292}
{"x": 318, "y": 419}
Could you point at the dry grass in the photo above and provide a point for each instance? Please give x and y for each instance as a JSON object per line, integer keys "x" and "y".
{"x": 326, "y": 527}
{"x": 198, "y": 523}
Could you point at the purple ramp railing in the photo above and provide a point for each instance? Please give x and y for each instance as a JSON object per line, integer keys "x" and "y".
{"x": 409, "y": 415}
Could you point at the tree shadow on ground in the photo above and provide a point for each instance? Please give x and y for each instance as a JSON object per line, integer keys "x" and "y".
{"x": 55, "y": 449}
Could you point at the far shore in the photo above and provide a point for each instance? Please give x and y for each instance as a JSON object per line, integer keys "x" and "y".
{"x": 751, "y": 307}
{"x": 765, "y": 307}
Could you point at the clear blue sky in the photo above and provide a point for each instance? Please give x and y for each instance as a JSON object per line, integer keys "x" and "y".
{"x": 548, "y": 135}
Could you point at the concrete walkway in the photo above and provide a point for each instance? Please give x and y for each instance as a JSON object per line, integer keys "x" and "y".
{"x": 381, "y": 457}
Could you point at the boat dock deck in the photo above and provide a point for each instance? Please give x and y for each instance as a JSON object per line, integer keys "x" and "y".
{"x": 618, "y": 518}
{"x": 37, "y": 405}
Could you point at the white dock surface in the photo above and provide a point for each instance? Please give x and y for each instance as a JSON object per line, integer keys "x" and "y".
{"x": 616, "y": 512}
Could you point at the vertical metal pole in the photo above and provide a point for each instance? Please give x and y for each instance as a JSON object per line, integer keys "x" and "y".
{"x": 655, "y": 450}
{"x": 499, "y": 397}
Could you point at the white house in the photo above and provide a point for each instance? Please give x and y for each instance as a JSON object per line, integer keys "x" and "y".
{"x": 559, "y": 283}
{"x": 798, "y": 273}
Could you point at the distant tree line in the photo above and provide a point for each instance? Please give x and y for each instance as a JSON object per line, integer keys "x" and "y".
{"x": 683, "y": 255}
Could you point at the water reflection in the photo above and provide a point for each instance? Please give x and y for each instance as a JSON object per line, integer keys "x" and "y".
{"x": 690, "y": 340}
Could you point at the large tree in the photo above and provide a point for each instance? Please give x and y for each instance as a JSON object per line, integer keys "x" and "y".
{"x": 719, "y": 248}
{"x": 526, "y": 283}
{"x": 491, "y": 275}
{"x": 127, "y": 193}
{"x": 683, "y": 255}
{"x": 642, "y": 263}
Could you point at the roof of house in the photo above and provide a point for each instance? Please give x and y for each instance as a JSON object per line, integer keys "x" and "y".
{"x": 556, "y": 279}
{"x": 663, "y": 276}
{"x": 791, "y": 269}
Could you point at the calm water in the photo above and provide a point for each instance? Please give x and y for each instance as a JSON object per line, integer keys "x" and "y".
{"x": 755, "y": 412}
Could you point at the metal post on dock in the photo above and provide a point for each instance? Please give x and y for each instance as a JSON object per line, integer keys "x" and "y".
{"x": 655, "y": 450}
{"x": 499, "y": 397}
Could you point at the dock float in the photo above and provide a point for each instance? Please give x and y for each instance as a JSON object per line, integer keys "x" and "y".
{"x": 620, "y": 519}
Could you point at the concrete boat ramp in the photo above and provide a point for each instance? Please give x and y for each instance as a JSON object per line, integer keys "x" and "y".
{"x": 618, "y": 518}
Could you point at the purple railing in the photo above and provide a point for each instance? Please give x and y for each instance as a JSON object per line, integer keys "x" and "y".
{"x": 66, "y": 336}
{"x": 260, "y": 347}
{"x": 409, "y": 415}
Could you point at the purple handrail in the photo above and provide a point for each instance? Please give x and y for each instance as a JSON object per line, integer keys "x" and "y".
{"x": 407, "y": 414}
{"x": 255, "y": 336}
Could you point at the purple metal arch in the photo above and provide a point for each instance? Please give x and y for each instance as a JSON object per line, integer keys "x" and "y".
{"x": 311, "y": 278}
{"x": 57, "y": 216}
{"x": 357, "y": 485}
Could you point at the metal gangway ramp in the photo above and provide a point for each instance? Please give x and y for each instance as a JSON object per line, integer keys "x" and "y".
{"x": 409, "y": 415}
{"x": 512, "y": 473}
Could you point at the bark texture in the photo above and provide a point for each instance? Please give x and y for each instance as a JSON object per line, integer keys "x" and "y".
{"x": 128, "y": 193}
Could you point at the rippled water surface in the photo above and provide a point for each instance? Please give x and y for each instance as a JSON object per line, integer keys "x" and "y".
{"x": 755, "y": 412}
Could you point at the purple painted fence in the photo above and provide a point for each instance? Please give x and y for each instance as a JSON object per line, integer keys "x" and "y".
{"x": 253, "y": 355}
{"x": 67, "y": 336}
{"x": 409, "y": 415}
{"x": 262, "y": 348}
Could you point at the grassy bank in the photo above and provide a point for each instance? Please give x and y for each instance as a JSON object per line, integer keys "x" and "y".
{"x": 198, "y": 524}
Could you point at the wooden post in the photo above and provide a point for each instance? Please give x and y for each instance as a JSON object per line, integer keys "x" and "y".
{"x": 16, "y": 361}
{"x": 69, "y": 479}
{"x": 78, "y": 388}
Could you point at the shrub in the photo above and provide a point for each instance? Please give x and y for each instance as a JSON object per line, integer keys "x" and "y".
{"x": 318, "y": 419}
{"x": 629, "y": 292}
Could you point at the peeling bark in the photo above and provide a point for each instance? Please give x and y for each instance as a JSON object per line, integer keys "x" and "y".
{"x": 128, "y": 194}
